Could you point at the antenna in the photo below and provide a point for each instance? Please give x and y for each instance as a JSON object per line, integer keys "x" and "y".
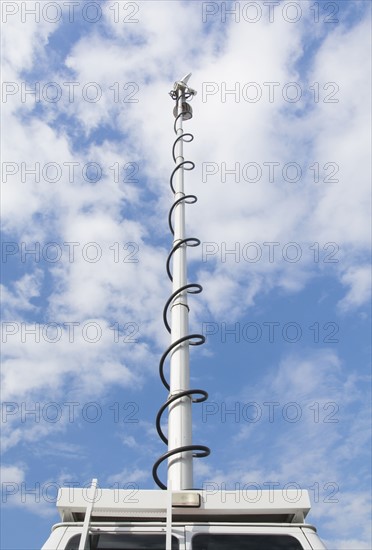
{"x": 108, "y": 518}
{"x": 180, "y": 448}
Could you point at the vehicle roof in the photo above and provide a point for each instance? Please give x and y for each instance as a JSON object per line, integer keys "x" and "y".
{"x": 114, "y": 505}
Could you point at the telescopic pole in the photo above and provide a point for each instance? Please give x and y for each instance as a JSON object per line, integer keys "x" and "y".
{"x": 180, "y": 471}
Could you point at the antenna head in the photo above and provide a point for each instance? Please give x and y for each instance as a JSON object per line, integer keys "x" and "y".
{"x": 181, "y": 85}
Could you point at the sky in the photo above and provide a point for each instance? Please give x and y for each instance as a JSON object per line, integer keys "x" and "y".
{"x": 281, "y": 151}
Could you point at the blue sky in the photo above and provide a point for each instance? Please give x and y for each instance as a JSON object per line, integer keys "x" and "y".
{"x": 281, "y": 125}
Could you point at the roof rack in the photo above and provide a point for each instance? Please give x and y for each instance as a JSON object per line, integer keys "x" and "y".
{"x": 121, "y": 505}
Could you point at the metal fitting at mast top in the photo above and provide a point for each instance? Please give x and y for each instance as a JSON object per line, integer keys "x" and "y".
{"x": 181, "y": 91}
{"x": 180, "y": 86}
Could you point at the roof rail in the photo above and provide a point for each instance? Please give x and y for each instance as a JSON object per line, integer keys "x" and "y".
{"x": 88, "y": 513}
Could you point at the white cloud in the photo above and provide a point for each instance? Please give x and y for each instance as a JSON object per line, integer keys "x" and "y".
{"x": 358, "y": 279}
{"x": 131, "y": 478}
{"x": 19, "y": 300}
{"x": 12, "y": 474}
{"x": 16, "y": 492}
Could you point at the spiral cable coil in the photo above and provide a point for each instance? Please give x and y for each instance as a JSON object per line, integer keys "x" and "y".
{"x": 193, "y": 339}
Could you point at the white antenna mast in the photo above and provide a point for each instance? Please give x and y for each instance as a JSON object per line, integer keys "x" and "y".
{"x": 180, "y": 448}
{"x": 111, "y": 519}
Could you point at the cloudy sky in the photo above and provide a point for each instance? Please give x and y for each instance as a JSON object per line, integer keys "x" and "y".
{"x": 281, "y": 125}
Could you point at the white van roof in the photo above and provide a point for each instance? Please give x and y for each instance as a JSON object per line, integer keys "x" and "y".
{"x": 287, "y": 506}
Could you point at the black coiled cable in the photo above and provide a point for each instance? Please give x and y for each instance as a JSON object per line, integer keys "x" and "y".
{"x": 193, "y": 339}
